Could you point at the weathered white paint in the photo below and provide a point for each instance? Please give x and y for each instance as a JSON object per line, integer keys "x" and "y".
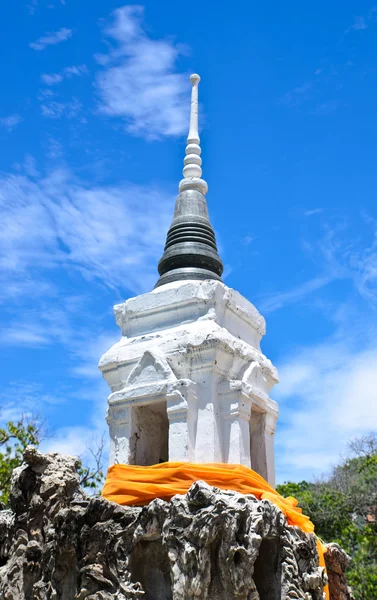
{"x": 188, "y": 379}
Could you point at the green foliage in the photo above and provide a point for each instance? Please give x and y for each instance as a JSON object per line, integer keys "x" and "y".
{"x": 92, "y": 477}
{"x": 343, "y": 508}
{"x": 14, "y": 438}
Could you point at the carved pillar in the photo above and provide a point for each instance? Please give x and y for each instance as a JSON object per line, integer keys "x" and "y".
{"x": 258, "y": 442}
{"x": 182, "y": 415}
{"x": 269, "y": 441}
{"x": 262, "y": 430}
{"x": 118, "y": 419}
{"x": 236, "y": 408}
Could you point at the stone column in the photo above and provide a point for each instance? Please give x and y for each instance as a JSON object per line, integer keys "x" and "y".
{"x": 182, "y": 415}
{"x": 236, "y": 408}
{"x": 262, "y": 429}
{"x": 269, "y": 442}
{"x": 208, "y": 425}
{"x": 118, "y": 419}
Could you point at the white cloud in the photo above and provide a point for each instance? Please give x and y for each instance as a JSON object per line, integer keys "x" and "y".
{"x": 21, "y": 336}
{"x": 81, "y": 441}
{"x": 342, "y": 256}
{"x": 337, "y": 257}
{"x": 326, "y": 108}
{"x": 51, "y": 78}
{"x": 56, "y": 110}
{"x": 112, "y": 234}
{"x": 75, "y": 70}
{"x": 49, "y": 323}
{"x": 66, "y": 73}
{"x": 363, "y": 266}
{"x": 140, "y": 82}
{"x": 298, "y": 94}
{"x": 271, "y": 302}
{"x": 328, "y": 392}
{"x": 313, "y": 211}
{"x": 54, "y": 148}
{"x": 247, "y": 240}
{"x": 23, "y": 286}
{"x": 32, "y": 7}
{"x": 359, "y": 24}
{"x": 73, "y": 441}
{"x": 25, "y": 399}
{"x": 10, "y": 121}
{"x": 51, "y": 39}
{"x": 88, "y": 350}
{"x": 29, "y": 400}
{"x": 327, "y": 395}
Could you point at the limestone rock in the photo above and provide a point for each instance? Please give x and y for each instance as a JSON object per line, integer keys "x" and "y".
{"x": 58, "y": 544}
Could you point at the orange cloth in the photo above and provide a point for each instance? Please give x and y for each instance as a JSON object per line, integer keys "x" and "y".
{"x": 133, "y": 485}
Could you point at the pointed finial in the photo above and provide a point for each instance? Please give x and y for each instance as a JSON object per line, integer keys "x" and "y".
{"x": 192, "y": 171}
{"x": 190, "y": 251}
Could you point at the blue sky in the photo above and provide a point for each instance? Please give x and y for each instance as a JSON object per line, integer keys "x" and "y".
{"x": 93, "y": 120}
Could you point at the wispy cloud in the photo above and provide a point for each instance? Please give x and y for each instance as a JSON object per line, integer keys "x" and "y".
{"x": 56, "y": 110}
{"x": 51, "y": 78}
{"x": 75, "y": 441}
{"x": 66, "y": 73}
{"x": 326, "y": 108}
{"x": 297, "y": 94}
{"x": 30, "y": 166}
{"x": 112, "y": 234}
{"x": 319, "y": 95}
{"x": 247, "y": 240}
{"x": 29, "y": 336}
{"x": 337, "y": 257}
{"x": 358, "y": 24}
{"x": 22, "y": 398}
{"x": 75, "y": 70}
{"x": 343, "y": 256}
{"x": 327, "y": 395}
{"x": 32, "y": 7}
{"x": 10, "y": 121}
{"x": 140, "y": 81}
{"x": 47, "y": 324}
{"x": 82, "y": 440}
{"x": 272, "y": 302}
{"x": 87, "y": 351}
{"x": 50, "y": 39}
{"x": 34, "y": 4}
{"x": 313, "y": 211}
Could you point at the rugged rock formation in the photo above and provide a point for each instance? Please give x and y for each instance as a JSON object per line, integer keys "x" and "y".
{"x": 58, "y": 544}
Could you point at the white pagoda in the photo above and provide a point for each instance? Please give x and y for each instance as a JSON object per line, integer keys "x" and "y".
{"x": 188, "y": 379}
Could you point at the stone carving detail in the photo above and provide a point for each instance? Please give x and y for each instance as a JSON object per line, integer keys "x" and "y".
{"x": 58, "y": 544}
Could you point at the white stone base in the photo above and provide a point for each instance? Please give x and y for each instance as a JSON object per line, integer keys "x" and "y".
{"x": 188, "y": 379}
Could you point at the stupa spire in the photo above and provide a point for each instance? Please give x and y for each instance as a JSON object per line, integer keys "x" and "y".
{"x": 192, "y": 171}
{"x": 190, "y": 249}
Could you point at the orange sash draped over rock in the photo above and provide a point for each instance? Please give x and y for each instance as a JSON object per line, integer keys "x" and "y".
{"x": 132, "y": 485}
